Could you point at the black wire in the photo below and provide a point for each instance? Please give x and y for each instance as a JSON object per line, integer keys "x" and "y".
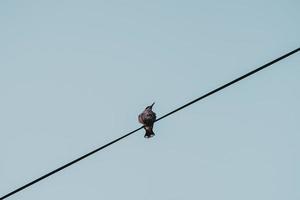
{"x": 231, "y": 82}
{"x": 68, "y": 164}
{"x": 170, "y": 113}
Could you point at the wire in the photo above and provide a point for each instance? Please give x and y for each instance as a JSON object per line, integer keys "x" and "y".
{"x": 230, "y": 83}
{"x": 166, "y": 115}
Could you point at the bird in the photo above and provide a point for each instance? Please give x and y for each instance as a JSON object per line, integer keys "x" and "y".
{"x": 147, "y": 118}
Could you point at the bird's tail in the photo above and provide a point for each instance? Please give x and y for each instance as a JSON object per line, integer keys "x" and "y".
{"x": 149, "y": 132}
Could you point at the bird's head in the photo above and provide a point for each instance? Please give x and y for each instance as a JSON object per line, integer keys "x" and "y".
{"x": 150, "y": 107}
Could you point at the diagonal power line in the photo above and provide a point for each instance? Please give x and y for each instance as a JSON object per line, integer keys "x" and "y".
{"x": 166, "y": 115}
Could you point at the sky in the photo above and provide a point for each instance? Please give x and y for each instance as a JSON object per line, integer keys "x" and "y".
{"x": 74, "y": 75}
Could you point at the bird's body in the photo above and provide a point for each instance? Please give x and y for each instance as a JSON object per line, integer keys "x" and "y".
{"x": 147, "y": 118}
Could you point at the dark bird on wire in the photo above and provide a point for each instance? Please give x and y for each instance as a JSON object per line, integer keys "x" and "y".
{"x": 147, "y": 118}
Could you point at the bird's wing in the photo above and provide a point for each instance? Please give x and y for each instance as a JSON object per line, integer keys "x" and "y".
{"x": 141, "y": 119}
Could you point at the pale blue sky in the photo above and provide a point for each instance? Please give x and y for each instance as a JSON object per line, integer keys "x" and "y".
{"x": 74, "y": 75}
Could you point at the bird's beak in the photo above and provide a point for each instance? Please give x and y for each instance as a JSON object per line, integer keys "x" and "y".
{"x": 152, "y": 105}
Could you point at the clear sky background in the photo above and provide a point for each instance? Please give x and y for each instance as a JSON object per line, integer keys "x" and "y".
{"x": 74, "y": 75}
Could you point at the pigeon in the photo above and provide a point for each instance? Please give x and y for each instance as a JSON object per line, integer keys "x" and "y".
{"x": 147, "y": 118}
